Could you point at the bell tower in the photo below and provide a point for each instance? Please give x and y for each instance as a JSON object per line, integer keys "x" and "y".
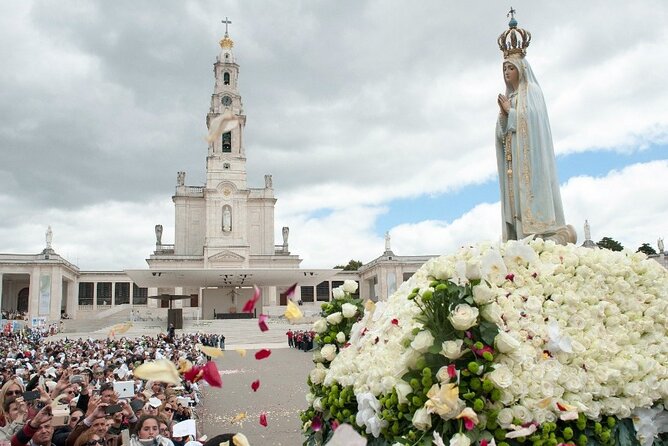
{"x": 226, "y": 159}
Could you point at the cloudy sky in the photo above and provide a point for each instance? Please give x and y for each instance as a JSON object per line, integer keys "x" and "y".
{"x": 371, "y": 116}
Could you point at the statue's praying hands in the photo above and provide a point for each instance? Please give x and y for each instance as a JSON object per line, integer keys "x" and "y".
{"x": 504, "y": 104}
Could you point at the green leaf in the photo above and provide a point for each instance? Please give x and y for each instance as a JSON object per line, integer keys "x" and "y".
{"x": 488, "y": 332}
{"x": 435, "y": 349}
{"x": 625, "y": 433}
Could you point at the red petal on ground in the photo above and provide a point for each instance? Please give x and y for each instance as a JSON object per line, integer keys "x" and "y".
{"x": 263, "y": 419}
{"x": 255, "y": 385}
{"x": 395, "y": 321}
{"x": 261, "y": 354}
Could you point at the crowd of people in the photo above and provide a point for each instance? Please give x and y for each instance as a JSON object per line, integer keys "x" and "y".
{"x": 82, "y": 392}
{"x": 301, "y": 339}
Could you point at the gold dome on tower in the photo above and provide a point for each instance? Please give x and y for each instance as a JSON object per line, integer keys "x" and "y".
{"x": 226, "y": 43}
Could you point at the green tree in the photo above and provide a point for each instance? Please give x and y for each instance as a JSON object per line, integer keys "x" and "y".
{"x": 646, "y": 248}
{"x": 353, "y": 265}
{"x": 610, "y": 243}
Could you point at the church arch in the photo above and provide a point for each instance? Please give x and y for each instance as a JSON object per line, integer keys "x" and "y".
{"x": 22, "y": 300}
{"x": 226, "y": 78}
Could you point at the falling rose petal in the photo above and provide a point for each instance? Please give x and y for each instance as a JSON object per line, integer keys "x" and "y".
{"x": 291, "y": 291}
{"x": 242, "y": 352}
{"x": 263, "y": 419}
{"x": 345, "y": 435}
{"x": 248, "y": 306}
{"x": 161, "y": 370}
{"x": 316, "y": 424}
{"x": 255, "y": 385}
{"x": 262, "y": 322}
{"x": 261, "y": 354}
{"x": 395, "y": 321}
{"x": 292, "y": 312}
{"x": 214, "y": 352}
{"x": 212, "y": 375}
{"x": 193, "y": 374}
{"x": 223, "y": 123}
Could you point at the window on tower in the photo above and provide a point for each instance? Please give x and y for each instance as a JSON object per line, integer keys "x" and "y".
{"x": 226, "y": 78}
{"x": 227, "y": 142}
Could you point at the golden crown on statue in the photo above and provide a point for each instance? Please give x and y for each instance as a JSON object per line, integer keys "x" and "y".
{"x": 514, "y": 40}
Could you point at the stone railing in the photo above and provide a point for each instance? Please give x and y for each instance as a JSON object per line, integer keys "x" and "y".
{"x": 164, "y": 249}
{"x": 190, "y": 191}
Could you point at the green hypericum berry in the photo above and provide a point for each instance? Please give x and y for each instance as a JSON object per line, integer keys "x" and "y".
{"x": 417, "y": 401}
{"x": 434, "y": 283}
{"x": 412, "y": 296}
{"x": 478, "y": 345}
{"x": 394, "y": 399}
{"x": 611, "y": 422}
{"x": 465, "y": 372}
{"x": 420, "y": 364}
{"x": 598, "y": 428}
{"x": 605, "y": 436}
{"x": 427, "y": 295}
{"x": 495, "y": 395}
{"x": 582, "y": 440}
{"x": 473, "y": 367}
{"x": 426, "y": 371}
{"x": 487, "y": 386}
{"x": 568, "y": 433}
{"x": 475, "y": 383}
{"x": 346, "y": 413}
{"x": 441, "y": 287}
{"x": 416, "y": 290}
{"x": 470, "y": 396}
{"x": 487, "y": 356}
{"x": 328, "y": 340}
{"x": 478, "y": 405}
{"x": 395, "y": 428}
{"x": 427, "y": 382}
{"x": 415, "y": 331}
{"x": 500, "y": 434}
{"x": 415, "y": 384}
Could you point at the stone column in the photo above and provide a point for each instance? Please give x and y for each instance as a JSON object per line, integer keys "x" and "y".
{"x": 0, "y": 291}
{"x": 72, "y": 298}
{"x": 132, "y": 294}
{"x": 94, "y": 296}
{"x": 56, "y": 293}
{"x": 178, "y": 303}
{"x": 113, "y": 294}
{"x": 33, "y": 295}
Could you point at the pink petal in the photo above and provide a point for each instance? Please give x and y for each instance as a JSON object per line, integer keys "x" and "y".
{"x": 263, "y": 419}
{"x": 261, "y": 354}
{"x": 248, "y": 306}
{"x": 334, "y": 424}
{"x": 255, "y": 385}
{"x": 212, "y": 375}
{"x": 316, "y": 423}
{"x": 395, "y": 321}
{"x": 262, "y": 322}
{"x": 452, "y": 371}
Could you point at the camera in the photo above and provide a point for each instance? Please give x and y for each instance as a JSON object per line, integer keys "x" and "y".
{"x": 31, "y": 395}
{"x": 76, "y": 379}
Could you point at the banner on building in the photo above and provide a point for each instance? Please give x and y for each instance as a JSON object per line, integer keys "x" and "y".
{"x": 44, "y": 294}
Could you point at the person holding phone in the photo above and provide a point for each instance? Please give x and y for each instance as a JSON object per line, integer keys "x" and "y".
{"x": 16, "y": 410}
{"x": 11, "y": 388}
{"x": 38, "y": 429}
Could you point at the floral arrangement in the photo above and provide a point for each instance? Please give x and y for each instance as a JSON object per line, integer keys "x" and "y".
{"x": 526, "y": 342}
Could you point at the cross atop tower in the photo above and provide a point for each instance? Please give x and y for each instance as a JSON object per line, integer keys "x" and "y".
{"x": 226, "y": 22}
{"x": 510, "y": 14}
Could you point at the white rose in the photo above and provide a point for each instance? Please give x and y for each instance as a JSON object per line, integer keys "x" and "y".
{"x": 403, "y": 389}
{"x": 317, "y": 404}
{"x": 335, "y": 318}
{"x": 349, "y": 286}
{"x": 505, "y": 417}
{"x": 318, "y": 374}
{"x": 349, "y": 310}
{"x": 310, "y": 398}
{"x": 422, "y": 419}
{"x": 460, "y": 440}
{"x": 452, "y": 349}
{"x": 505, "y": 343}
{"x": 482, "y": 294}
{"x": 340, "y": 337}
{"x": 501, "y": 376}
{"x": 320, "y": 326}
{"x": 423, "y": 341}
{"x": 463, "y": 317}
{"x": 492, "y": 313}
{"x": 328, "y": 351}
{"x": 337, "y": 293}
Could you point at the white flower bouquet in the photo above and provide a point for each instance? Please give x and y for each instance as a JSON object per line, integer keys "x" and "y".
{"x": 526, "y": 342}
